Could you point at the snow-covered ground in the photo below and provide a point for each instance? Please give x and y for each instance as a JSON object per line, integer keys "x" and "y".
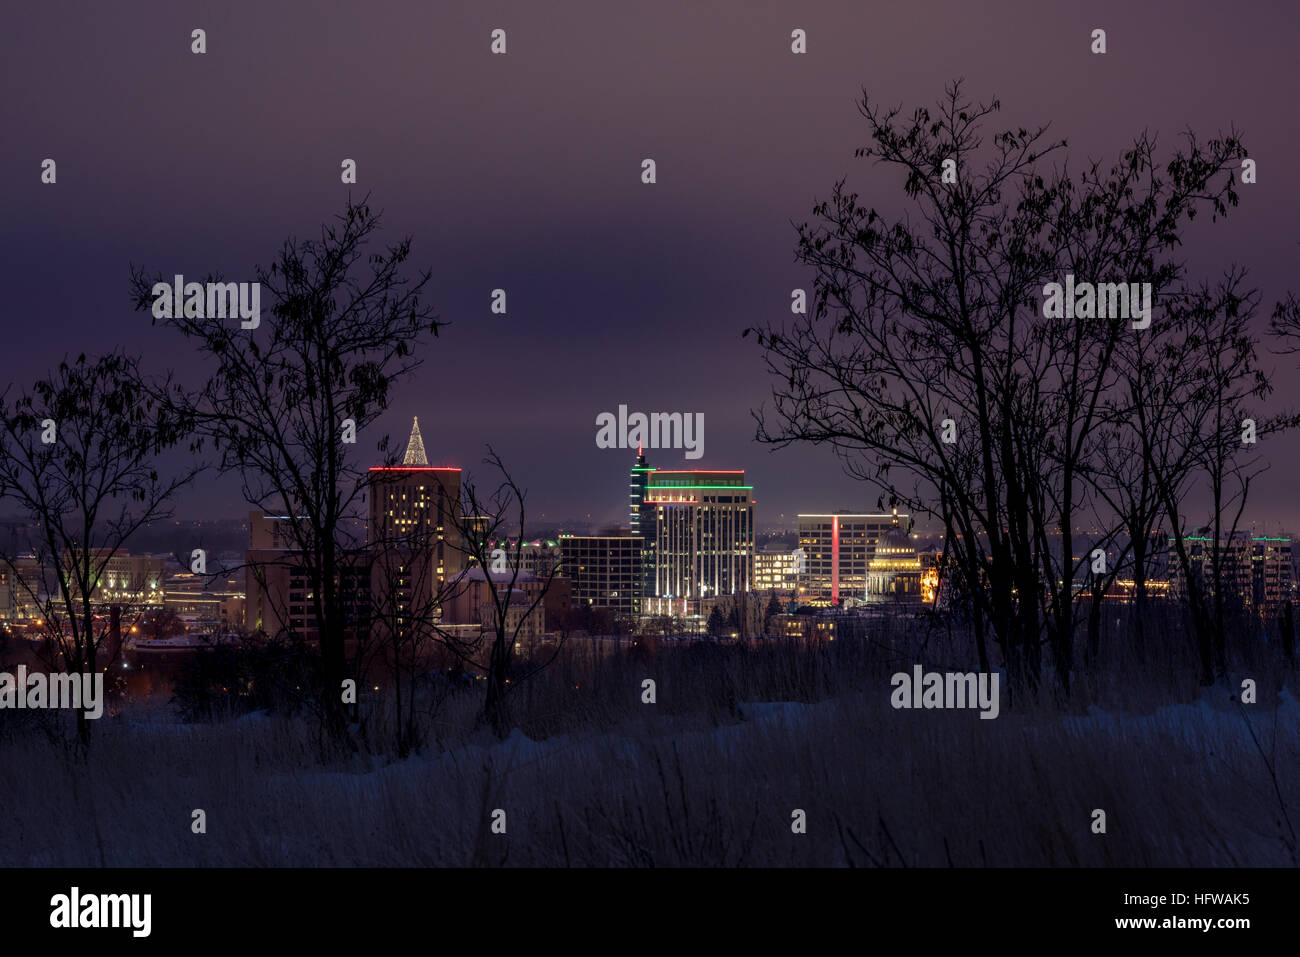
{"x": 1180, "y": 785}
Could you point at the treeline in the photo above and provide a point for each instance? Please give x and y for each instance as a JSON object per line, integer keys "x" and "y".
{"x": 930, "y": 362}
{"x": 288, "y": 405}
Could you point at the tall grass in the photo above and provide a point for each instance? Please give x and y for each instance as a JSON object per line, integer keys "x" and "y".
{"x": 709, "y": 775}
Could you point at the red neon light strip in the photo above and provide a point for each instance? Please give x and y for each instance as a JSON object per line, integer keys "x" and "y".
{"x": 835, "y": 561}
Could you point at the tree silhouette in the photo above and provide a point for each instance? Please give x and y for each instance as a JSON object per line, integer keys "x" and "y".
{"x": 282, "y": 399}
{"x": 929, "y": 364}
{"x": 490, "y": 529}
{"x": 773, "y": 609}
{"x": 78, "y": 458}
{"x": 717, "y": 622}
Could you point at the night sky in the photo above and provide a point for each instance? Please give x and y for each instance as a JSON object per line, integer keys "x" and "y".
{"x": 523, "y": 172}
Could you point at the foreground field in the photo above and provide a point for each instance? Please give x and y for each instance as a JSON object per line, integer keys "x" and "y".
{"x": 1186, "y": 784}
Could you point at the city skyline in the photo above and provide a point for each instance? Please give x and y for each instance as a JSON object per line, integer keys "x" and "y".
{"x": 742, "y": 435}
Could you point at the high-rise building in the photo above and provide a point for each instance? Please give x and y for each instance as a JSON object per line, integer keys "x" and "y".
{"x": 414, "y": 539}
{"x": 835, "y": 553}
{"x": 415, "y": 507}
{"x": 1255, "y": 569}
{"x": 22, "y": 584}
{"x": 640, "y": 478}
{"x": 703, "y": 537}
{"x": 412, "y": 550}
{"x": 642, "y": 520}
{"x": 606, "y": 570}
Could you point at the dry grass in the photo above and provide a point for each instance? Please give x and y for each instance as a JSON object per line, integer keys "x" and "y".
{"x": 706, "y": 776}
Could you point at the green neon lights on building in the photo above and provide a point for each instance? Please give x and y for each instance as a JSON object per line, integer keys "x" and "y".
{"x": 666, "y": 488}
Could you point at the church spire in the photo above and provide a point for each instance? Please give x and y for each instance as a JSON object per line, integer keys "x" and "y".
{"x": 415, "y": 447}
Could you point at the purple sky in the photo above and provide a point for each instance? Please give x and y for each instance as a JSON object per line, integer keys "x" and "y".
{"x": 522, "y": 172}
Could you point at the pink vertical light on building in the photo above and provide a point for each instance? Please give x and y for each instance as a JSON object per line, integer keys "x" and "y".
{"x": 835, "y": 560}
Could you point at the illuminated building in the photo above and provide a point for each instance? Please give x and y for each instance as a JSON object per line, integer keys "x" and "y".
{"x": 1255, "y": 569}
{"x": 703, "y": 537}
{"x": 606, "y": 570}
{"x": 896, "y": 573}
{"x": 125, "y": 580}
{"x": 640, "y": 479}
{"x": 134, "y": 581}
{"x": 776, "y": 569}
{"x": 642, "y": 520}
{"x": 413, "y": 538}
{"x": 837, "y": 550}
{"x": 412, "y": 549}
{"x": 204, "y": 603}
{"x": 20, "y": 589}
{"x": 413, "y": 508}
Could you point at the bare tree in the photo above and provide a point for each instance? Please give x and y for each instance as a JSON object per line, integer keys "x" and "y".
{"x": 1135, "y": 447}
{"x": 285, "y": 399}
{"x": 79, "y": 458}
{"x": 928, "y": 364}
{"x": 491, "y": 533}
{"x": 1213, "y": 429}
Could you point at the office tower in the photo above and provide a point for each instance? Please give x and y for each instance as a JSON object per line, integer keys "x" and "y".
{"x": 414, "y": 538}
{"x": 606, "y": 570}
{"x": 703, "y": 537}
{"x": 837, "y": 550}
{"x": 414, "y": 506}
{"x": 1255, "y": 569}
{"x": 641, "y": 520}
{"x": 640, "y": 478}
